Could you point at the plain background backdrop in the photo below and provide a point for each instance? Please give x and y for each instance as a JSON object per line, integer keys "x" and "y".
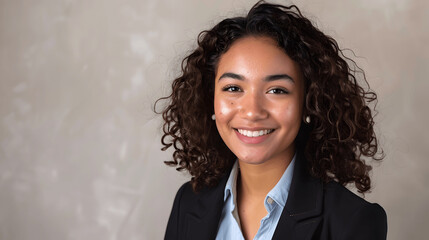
{"x": 80, "y": 146}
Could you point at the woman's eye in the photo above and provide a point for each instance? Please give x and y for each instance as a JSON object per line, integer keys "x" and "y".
{"x": 231, "y": 89}
{"x": 278, "y": 91}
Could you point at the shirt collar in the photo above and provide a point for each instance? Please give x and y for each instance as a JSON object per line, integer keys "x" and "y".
{"x": 279, "y": 193}
{"x": 231, "y": 184}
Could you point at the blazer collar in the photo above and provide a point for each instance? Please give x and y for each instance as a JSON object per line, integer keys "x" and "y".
{"x": 203, "y": 219}
{"x": 299, "y": 219}
{"x": 302, "y": 213}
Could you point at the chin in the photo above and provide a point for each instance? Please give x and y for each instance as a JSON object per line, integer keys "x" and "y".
{"x": 251, "y": 160}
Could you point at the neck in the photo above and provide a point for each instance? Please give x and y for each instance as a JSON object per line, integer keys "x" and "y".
{"x": 258, "y": 180}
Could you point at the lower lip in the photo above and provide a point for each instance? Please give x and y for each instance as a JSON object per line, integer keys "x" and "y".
{"x": 251, "y": 140}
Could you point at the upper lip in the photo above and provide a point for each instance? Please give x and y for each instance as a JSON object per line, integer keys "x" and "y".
{"x": 254, "y": 128}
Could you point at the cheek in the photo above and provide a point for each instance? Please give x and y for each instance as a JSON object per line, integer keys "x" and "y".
{"x": 290, "y": 114}
{"x": 223, "y": 108}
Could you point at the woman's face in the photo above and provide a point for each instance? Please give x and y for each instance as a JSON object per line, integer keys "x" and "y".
{"x": 258, "y": 100}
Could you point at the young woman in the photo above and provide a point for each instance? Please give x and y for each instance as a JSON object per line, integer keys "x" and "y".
{"x": 269, "y": 119}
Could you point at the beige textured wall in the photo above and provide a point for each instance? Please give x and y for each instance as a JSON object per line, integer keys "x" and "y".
{"x": 79, "y": 144}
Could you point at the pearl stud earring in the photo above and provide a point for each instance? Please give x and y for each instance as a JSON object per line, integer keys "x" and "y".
{"x": 307, "y": 119}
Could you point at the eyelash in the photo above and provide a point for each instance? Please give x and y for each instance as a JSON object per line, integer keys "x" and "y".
{"x": 283, "y": 91}
{"x": 233, "y": 88}
{"x": 229, "y": 88}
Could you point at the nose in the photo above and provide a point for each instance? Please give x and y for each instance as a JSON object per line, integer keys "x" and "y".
{"x": 253, "y": 106}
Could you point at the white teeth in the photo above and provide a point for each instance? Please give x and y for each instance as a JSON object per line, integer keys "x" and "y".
{"x": 254, "y": 133}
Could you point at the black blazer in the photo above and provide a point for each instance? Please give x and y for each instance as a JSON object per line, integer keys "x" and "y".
{"x": 313, "y": 210}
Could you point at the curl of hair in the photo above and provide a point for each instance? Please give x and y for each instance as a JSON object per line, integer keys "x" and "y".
{"x": 341, "y": 131}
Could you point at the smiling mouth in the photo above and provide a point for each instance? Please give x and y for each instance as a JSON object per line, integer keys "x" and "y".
{"x": 259, "y": 133}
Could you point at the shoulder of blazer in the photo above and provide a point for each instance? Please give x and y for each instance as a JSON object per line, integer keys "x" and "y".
{"x": 195, "y": 215}
{"x": 350, "y": 216}
{"x": 317, "y": 210}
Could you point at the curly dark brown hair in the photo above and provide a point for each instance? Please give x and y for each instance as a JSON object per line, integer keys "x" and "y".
{"x": 340, "y": 134}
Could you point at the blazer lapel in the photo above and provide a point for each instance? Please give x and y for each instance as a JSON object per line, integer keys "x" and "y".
{"x": 302, "y": 213}
{"x": 299, "y": 220}
{"x": 202, "y": 222}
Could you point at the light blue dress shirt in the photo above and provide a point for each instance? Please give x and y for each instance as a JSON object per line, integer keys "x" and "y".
{"x": 275, "y": 201}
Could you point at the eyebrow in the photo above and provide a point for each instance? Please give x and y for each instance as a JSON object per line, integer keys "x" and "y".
{"x": 267, "y": 79}
{"x": 279, "y": 77}
{"x": 231, "y": 75}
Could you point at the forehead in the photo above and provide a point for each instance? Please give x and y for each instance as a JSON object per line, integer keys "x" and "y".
{"x": 257, "y": 56}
